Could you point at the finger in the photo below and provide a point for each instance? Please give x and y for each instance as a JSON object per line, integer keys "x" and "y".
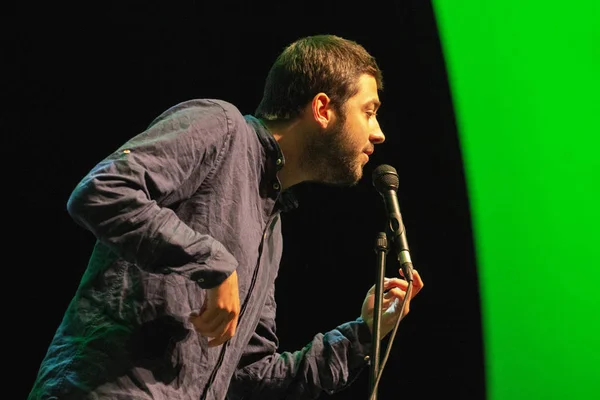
{"x": 401, "y": 271}
{"x": 391, "y": 312}
{"x": 233, "y": 325}
{"x": 393, "y": 304}
{"x": 208, "y": 313}
{"x": 228, "y": 322}
{"x": 225, "y": 336}
{"x": 218, "y": 330}
{"x": 208, "y": 327}
{"x": 218, "y": 341}
{"x": 417, "y": 283}
{"x": 204, "y": 319}
{"x": 396, "y": 295}
{"x": 390, "y": 283}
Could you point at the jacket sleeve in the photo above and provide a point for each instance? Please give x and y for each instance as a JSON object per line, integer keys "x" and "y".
{"x": 329, "y": 363}
{"x": 124, "y": 200}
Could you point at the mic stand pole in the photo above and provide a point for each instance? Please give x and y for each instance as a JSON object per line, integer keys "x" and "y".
{"x": 381, "y": 249}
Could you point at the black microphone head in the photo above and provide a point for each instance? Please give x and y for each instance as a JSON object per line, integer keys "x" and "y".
{"x": 385, "y": 178}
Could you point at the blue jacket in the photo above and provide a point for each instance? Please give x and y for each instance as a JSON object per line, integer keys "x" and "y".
{"x": 175, "y": 211}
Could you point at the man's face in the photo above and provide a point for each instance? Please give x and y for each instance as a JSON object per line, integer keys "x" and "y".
{"x": 338, "y": 154}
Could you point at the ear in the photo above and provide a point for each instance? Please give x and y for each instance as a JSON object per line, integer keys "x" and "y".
{"x": 322, "y": 111}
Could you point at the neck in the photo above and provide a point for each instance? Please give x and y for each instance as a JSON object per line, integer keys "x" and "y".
{"x": 290, "y": 137}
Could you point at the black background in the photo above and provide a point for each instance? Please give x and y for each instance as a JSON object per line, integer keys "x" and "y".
{"x": 85, "y": 77}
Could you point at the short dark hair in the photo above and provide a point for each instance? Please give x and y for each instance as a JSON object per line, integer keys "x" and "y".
{"x": 314, "y": 64}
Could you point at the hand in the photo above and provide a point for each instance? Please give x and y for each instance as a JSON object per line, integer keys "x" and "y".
{"x": 396, "y": 291}
{"x": 219, "y": 315}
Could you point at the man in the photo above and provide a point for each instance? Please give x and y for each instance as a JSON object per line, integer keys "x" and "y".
{"x": 178, "y": 299}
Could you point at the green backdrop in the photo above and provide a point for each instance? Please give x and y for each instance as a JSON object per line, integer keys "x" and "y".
{"x": 525, "y": 82}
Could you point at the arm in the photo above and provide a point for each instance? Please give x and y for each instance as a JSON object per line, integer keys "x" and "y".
{"x": 329, "y": 363}
{"x": 123, "y": 200}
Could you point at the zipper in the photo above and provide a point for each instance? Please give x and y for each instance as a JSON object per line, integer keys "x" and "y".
{"x": 213, "y": 375}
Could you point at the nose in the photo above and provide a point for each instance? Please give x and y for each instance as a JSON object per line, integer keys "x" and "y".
{"x": 377, "y": 136}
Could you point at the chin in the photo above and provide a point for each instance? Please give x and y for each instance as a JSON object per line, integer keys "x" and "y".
{"x": 352, "y": 177}
{"x": 358, "y": 177}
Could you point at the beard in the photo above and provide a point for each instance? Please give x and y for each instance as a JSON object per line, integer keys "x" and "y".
{"x": 330, "y": 157}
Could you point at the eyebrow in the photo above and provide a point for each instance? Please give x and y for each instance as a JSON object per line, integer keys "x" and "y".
{"x": 375, "y": 102}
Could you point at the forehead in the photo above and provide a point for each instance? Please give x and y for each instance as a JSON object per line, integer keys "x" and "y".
{"x": 367, "y": 92}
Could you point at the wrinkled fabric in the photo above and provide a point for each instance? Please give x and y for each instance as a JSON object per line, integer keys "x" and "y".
{"x": 176, "y": 210}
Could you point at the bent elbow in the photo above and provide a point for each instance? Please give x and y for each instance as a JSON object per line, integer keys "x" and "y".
{"x": 77, "y": 204}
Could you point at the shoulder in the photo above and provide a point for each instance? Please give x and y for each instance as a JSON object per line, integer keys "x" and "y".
{"x": 210, "y": 107}
{"x": 203, "y": 112}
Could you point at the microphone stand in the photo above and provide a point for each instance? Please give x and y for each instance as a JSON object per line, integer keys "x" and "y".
{"x": 381, "y": 249}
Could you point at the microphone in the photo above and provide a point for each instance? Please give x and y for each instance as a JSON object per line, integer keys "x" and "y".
{"x": 385, "y": 179}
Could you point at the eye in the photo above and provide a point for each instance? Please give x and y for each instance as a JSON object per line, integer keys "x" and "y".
{"x": 371, "y": 114}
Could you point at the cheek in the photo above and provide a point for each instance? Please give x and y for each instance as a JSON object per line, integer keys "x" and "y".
{"x": 361, "y": 135}
{"x": 357, "y": 133}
